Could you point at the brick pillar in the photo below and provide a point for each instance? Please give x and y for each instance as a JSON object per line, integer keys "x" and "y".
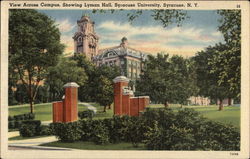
{"x": 70, "y": 110}
{"x": 134, "y": 106}
{"x": 119, "y": 83}
{"x": 57, "y": 111}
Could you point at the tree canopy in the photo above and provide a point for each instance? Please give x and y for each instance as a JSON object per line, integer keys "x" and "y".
{"x": 34, "y": 45}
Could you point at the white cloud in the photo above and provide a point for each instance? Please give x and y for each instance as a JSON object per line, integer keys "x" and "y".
{"x": 65, "y": 25}
{"x": 150, "y": 37}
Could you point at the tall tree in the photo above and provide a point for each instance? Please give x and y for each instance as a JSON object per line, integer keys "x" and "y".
{"x": 227, "y": 62}
{"x": 207, "y": 80}
{"x": 65, "y": 71}
{"x": 105, "y": 92}
{"x": 165, "y": 79}
{"x": 34, "y": 45}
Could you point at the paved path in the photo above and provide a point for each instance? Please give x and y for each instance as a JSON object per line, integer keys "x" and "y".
{"x": 13, "y": 134}
{"x": 89, "y": 106}
{"x": 34, "y": 144}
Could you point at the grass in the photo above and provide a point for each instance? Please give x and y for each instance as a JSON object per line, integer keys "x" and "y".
{"x": 230, "y": 114}
{"x": 92, "y": 146}
{"x": 43, "y": 112}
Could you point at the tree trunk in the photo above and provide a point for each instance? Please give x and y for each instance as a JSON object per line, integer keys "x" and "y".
{"x": 229, "y": 101}
{"x": 104, "y": 108}
{"x": 221, "y": 105}
{"x": 181, "y": 105}
{"x": 30, "y": 96}
{"x": 109, "y": 106}
{"x": 166, "y": 105}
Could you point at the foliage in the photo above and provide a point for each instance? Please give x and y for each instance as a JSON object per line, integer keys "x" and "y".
{"x": 65, "y": 71}
{"x": 16, "y": 120}
{"x": 45, "y": 130}
{"x": 34, "y": 45}
{"x": 166, "y": 79}
{"x": 67, "y": 132}
{"x": 27, "y": 130}
{"x": 86, "y": 114}
{"x": 158, "y": 129}
{"x": 105, "y": 92}
{"x": 227, "y": 62}
{"x": 165, "y": 16}
{"x": 30, "y": 128}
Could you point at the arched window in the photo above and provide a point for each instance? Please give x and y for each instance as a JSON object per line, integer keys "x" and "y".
{"x": 79, "y": 39}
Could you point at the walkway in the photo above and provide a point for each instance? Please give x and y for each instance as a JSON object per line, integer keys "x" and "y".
{"x": 89, "y": 106}
{"x": 32, "y": 143}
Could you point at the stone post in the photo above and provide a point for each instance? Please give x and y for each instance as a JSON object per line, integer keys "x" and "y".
{"x": 70, "y": 110}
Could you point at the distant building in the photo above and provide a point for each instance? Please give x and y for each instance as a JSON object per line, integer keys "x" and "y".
{"x": 127, "y": 59}
{"x": 199, "y": 100}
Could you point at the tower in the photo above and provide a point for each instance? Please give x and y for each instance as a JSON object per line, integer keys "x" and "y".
{"x": 85, "y": 39}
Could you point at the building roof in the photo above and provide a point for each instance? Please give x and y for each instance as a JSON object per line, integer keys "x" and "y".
{"x": 120, "y": 51}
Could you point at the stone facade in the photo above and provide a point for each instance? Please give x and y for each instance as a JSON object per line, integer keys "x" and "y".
{"x": 85, "y": 39}
{"x": 124, "y": 101}
{"x": 67, "y": 110}
{"x": 127, "y": 59}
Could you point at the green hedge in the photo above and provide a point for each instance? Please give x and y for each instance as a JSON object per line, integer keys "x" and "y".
{"x": 14, "y": 122}
{"x": 31, "y": 128}
{"x": 158, "y": 129}
{"x": 86, "y": 114}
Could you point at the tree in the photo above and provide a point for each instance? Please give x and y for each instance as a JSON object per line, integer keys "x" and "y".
{"x": 227, "y": 61}
{"x": 105, "y": 92}
{"x": 207, "y": 80}
{"x": 165, "y": 16}
{"x": 65, "y": 71}
{"x": 165, "y": 79}
{"x": 34, "y": 45}
{"x": 100, "y": 81}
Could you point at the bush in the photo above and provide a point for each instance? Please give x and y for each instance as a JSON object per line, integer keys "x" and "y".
{"x": 10, "y": 118}
{"x": 17, "y": 124}
{"x": 27, "y": 130}
{"x": 86, "y": 114}
{"x": 30, "y": 128}
{"x": 11, "y": 125}
{"x": 45, "y": 130}
{"x": 67, "y": 132}
{"x": 158, "y": 129}
{"x": 189, "y": 131}
{"x": 99, "y": 134}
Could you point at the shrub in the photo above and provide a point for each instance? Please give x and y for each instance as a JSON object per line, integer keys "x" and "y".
{"x": 27, "y": 130}
{"x": 86, "y": 114}
{"x": 11, "y": 125}
{"x": 45, "y": 130}
{"x": 30, "y": 128}
{"x": 99, "y": 134}
{"x": 17, "y": 124}
{"x": 10, "y": 118}
{"x": 67, "y": 132}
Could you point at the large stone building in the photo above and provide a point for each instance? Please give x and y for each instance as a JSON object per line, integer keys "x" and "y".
{"x": 127, "y": 59}
{"x": 85, "y": 39}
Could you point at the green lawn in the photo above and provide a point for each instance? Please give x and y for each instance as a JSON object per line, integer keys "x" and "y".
{"x": 92, "y": 146}
{"x": 43, "y": 112}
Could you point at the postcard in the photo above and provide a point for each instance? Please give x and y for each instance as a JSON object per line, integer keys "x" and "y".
{"x": 124, "y": 79}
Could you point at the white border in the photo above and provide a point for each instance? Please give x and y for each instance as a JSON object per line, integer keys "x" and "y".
{"x": 244, "y": 153}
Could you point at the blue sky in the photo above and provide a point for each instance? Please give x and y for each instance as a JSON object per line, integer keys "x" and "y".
{"x": 146, "y": 34}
